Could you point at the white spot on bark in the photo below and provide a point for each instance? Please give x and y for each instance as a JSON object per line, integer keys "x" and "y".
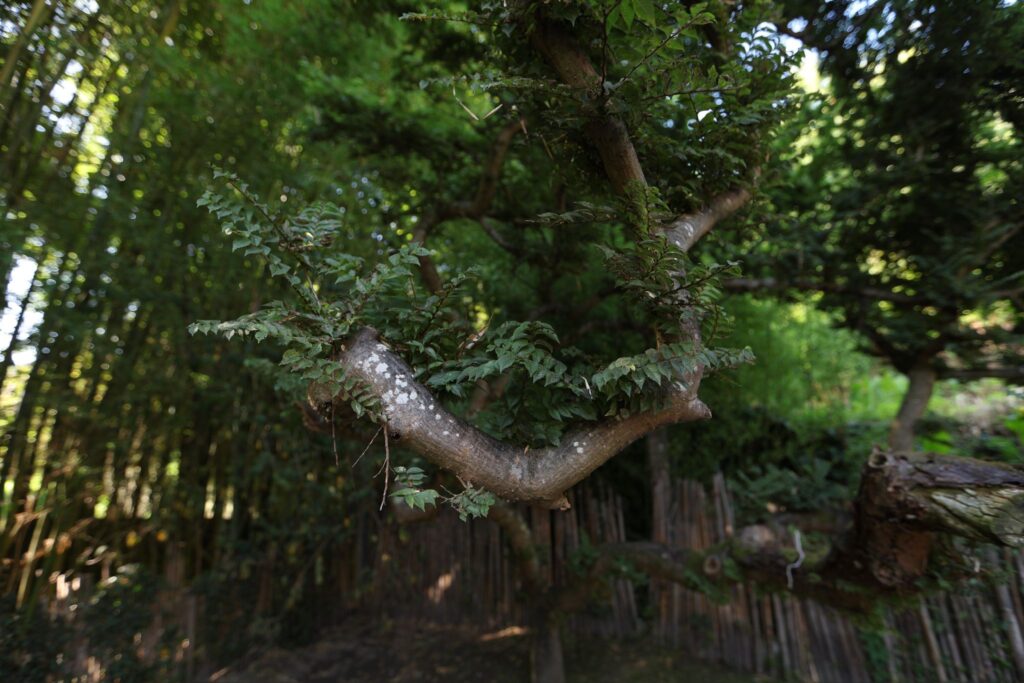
{"x": 381, "y": 368}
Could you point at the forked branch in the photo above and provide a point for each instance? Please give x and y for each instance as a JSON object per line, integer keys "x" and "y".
{"x": 512, "y": 472}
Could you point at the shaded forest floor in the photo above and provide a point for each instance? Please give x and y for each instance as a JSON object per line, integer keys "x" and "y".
{"x": 363, "y": 652}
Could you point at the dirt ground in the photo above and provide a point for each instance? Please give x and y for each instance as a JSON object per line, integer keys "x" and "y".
{"x": 362, "y": 652}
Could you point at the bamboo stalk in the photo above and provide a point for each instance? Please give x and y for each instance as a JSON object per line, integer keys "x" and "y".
{"x": 38, "y": 14}
{"x": 1014, "y": 639}
{"x": 949, "y": 637}
{"x": 966, "y": 635}
{"x": 931, "y": 642}
{"x": 772, "y": 646}
{"x": 891, "y": 648}
{"x": 978, "y": 637}
{"x": 782, "y": 629}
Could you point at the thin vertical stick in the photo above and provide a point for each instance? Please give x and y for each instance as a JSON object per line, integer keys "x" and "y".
{"x": 334, "y": 436}
{"x": 387, "y": 466}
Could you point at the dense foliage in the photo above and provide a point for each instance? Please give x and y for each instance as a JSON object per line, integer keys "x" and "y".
{"x": 903, "y": 180}
{"x": 275, "y": 176}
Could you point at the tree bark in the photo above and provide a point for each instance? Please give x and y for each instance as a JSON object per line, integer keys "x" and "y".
{"x": 915, "y": 402}
{"x": 661, "y": 503}
{"x": 904, "y": 500}
{"x": 661, "y": 484}
{"x": 516, "y": 473}
{"x": 547, "y": 663}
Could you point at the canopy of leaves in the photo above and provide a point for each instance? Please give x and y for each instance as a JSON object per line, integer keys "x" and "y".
{"x": 901, "y": 179}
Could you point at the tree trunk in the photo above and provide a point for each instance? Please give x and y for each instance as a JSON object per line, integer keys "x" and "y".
{"x": 1015, "y": 637}
{"x": 661, "y": 484}
{"x": 661, "y": 491}
{"x": 915, "y": 402}
{"x": 36, "y": 16}
{"x": 8, "y": 359}
{"x": 546, "y": 662}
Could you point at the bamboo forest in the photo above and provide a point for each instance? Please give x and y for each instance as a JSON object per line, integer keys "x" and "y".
{"x": 512, "y": 340}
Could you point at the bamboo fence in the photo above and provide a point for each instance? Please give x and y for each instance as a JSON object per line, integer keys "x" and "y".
{"x": 448, "y": 571}
{"x": 971, "y": 634}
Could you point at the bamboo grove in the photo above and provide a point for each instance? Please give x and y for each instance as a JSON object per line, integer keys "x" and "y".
{"x": 120, "y": 417}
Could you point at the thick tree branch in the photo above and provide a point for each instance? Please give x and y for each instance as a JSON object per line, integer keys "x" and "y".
{"x": 512, "y": 472}
{"x": 656, "y": 560}
{"x": 975, "y": 499}
{"x": 688, "y": 229}
{"x": 413, "y": 414}
{"x": 607, "y": 133}
{"x": 611, "y": 137}
{"x": 904, "y": 500}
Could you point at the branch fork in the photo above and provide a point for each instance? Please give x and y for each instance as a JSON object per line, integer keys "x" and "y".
{"x": 538, "y": 476}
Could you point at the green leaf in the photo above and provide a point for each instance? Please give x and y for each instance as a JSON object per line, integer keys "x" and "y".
{"x": 645, "y": 10}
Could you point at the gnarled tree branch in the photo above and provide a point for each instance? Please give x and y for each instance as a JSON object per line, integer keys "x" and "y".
{"x": 607, "y": 133}
{"x": 512, "y": 472}
{"x": 611, "y": 137}
{"x": 520, "y": 540}
{"x": 688, "y": 229}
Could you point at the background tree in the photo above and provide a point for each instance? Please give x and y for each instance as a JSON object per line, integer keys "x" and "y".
{"x": 902, "y": 189}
